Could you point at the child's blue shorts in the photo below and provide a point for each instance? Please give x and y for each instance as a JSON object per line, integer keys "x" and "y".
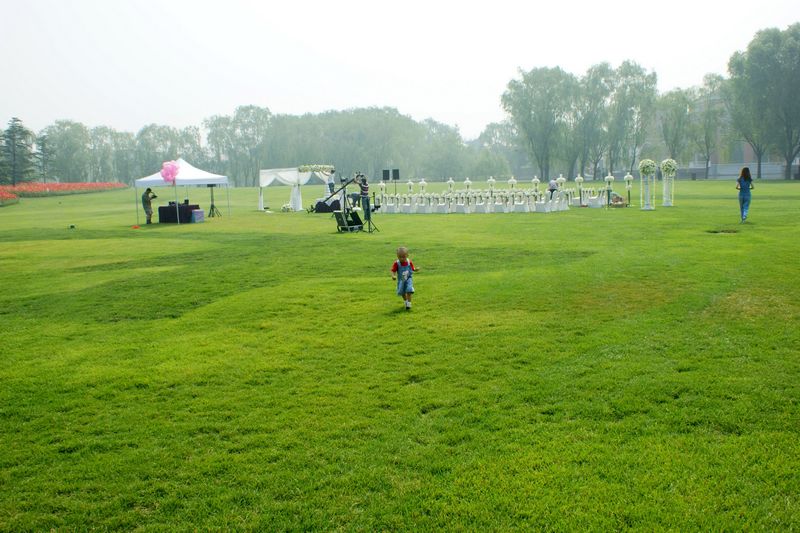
{"x": 405, "y": 286}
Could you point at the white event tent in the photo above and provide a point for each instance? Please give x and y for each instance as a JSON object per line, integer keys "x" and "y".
{"x": 188, "y": 175}
{"x": 288, "y": 176}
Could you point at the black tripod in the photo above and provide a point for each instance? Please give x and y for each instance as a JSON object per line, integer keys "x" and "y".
{"x": 368, "y": 215}
{"x": 368, "y": 212}
{"x": 213, "y": 211}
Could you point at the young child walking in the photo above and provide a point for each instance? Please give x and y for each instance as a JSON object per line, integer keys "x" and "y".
{"x": 403, "y": 270}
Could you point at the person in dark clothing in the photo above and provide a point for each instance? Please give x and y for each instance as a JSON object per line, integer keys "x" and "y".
{"x": 147, "y": 204}
{"x": 744, "y": 184}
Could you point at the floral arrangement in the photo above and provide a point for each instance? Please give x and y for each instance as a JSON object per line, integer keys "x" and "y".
{"x": 669, "y": 167}
{"x": 315, "y": 168}
{"x": 647, "y": 167}
{"x": 35, "y": 189}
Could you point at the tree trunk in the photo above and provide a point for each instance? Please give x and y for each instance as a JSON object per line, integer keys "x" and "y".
{"x": 13, "y": 164}
{"x": 759, "y": 155}
{"x": 540, "y": 163}
{"x": 787, "y": 172}
{"x": 707, "y": 161}
{"x": 582, "y": 168}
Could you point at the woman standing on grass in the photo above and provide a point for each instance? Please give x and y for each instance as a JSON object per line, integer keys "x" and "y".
{"x": 744, "y": 184}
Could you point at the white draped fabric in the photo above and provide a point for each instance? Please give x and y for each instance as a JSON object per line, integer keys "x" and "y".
{"x": 288, "y": 176}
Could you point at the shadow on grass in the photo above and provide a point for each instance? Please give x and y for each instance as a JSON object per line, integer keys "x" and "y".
{"x": 398, "y": 311}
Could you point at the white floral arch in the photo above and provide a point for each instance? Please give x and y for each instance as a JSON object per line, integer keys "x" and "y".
{"x": 294, "y": 177}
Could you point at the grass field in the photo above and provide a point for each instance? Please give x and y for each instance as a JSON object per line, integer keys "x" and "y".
{"x": 592, "y": 369}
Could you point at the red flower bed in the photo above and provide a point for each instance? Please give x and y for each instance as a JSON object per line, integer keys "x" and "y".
{"x": 33, "y": 189}
{"x": 7, "y": 198}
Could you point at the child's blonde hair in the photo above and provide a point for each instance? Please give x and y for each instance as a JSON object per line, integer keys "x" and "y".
{"x": 402, "y": 250}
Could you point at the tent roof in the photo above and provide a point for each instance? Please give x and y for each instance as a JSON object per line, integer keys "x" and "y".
{"x": 187, "y": 175}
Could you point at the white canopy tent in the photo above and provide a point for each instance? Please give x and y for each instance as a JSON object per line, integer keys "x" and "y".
{"x": 288, "y": 176}
{"x": 188, "y": 175}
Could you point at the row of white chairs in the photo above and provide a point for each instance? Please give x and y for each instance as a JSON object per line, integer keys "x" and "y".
{"x": 499, "y": 202}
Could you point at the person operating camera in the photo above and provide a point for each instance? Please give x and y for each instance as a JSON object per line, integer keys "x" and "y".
{"x": 361, "y": 180}
{"x": 147, "y": 204}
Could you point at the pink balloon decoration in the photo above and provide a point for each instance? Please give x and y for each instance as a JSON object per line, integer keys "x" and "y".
{"x": 169, "y": 170}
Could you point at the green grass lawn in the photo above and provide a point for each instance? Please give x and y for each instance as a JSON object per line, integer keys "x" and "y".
{"x": 591, "y": 369}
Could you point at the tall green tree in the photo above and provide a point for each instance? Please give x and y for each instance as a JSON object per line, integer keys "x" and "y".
{"x": 125, "y": 167}
{"x": 597, "y": 87}
{"x": 155, "y": 144}
{"x": 43, "y": 156}
{"x": 673, "y": 109}
{"x": 190, "y": 146}
{"x": 219, "y": 135}
{"x": 4, "y": 177}
{"x": 537, "y": 104}
{"x": 18, "y": 151}
{"x": 571, "y": 125}
{"x": 706, "y": 117}
{"x": 632, "y": 109}
{"x": 101, "y": 154}
{"x": 763, "y": 95}
{"x": 747, "y": 108}
{"x": 250, "y": 128}
{"x": 488, "y": 164}
{"x": 502, "y": 140}
{"x": 70, "y": 147}
{"x": 445, "y": 152}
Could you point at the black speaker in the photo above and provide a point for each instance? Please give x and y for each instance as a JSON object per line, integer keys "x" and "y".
{"x": 347, "y": 222}
{"x": 396, "y": 174}
{"x": 386, "y": 174}
{"x": 355, "y": 220}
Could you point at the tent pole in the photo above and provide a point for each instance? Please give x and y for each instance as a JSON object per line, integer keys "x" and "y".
{"x": 136, "y": 202}
{"x": 228, "y": 194}
{"x": 177, "y": 207}
{"x": 261, "y": 198}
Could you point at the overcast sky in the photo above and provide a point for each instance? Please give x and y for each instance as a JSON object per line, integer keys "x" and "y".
{"x": 127, "y": 63}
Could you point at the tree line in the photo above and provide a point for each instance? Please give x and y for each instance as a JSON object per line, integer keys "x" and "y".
{"x": 608, "y": 117}
{"x": 239, "y": 145}
{"x": 557, "y": 122}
